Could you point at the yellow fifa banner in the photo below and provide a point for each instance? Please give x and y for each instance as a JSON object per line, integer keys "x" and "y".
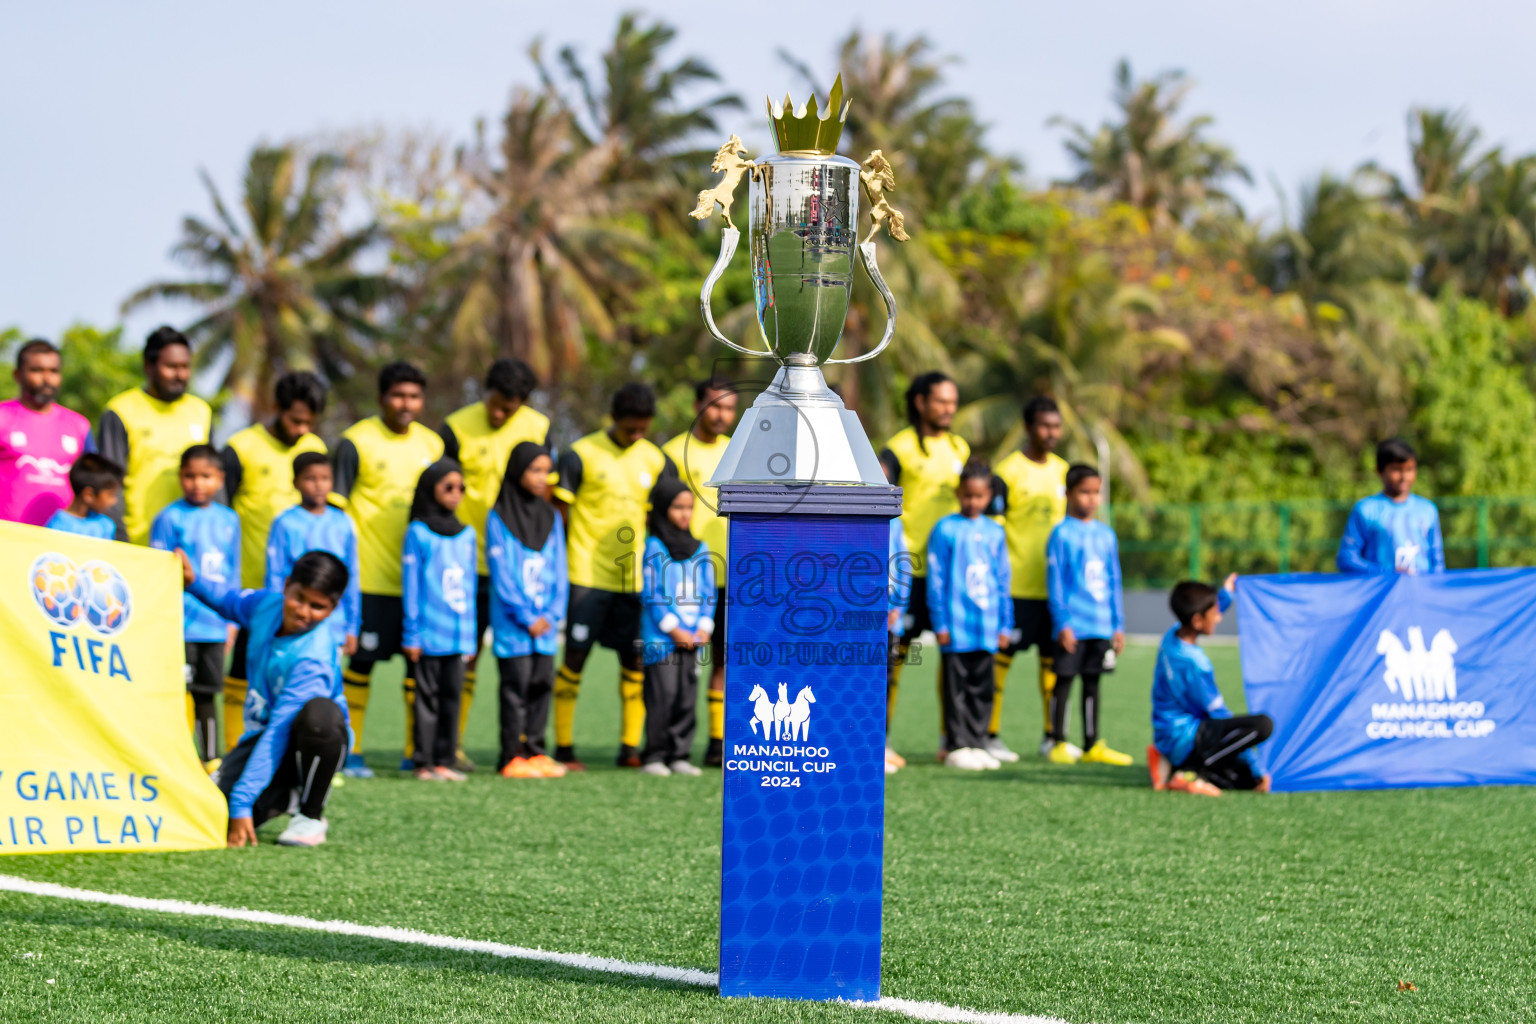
{"x": 95, "y": 753}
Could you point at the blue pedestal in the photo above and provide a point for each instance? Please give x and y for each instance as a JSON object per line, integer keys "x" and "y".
{"x": 802, "y": 836}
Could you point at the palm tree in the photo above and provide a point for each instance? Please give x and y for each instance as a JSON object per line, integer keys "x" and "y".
{"x": 543, "y": 268}
{"x": 282, "y": 290}
{"x": 634, "y": 102}
{"x": 1148, "y": 158}
{"x": 1499, "y": 231}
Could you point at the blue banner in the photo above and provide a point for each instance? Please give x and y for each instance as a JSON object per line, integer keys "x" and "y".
{"x": 804, "y": 817}
{"x": 1393, "y": 680}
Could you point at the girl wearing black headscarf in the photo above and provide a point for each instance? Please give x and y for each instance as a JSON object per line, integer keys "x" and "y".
{"x": 438, "y": 595}
{"x": 678, "y": 597}
{"x": 525, "y": 554}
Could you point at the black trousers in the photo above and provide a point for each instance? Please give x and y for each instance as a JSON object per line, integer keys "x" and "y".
{"x": 1219, "y": 745}
{"x": 317, "y": 746}
{"x": 671, "y": 692}
{"x": 969, "y": 686}
{"x": 1061, "y": 701}
{"x": 439, "y": 684}
{"x": 526, "y": 684}
{"x": 205, "y": 682}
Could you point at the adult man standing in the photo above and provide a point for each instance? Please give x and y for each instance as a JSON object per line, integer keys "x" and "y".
{"x": 481, "y": 437}
{"x": 146, "y": 429}
{"x": 1029, "y": 499}
{"x": 258, "y": 484}
{"x": 924, "y": 460}
{"x": 604, "y": 486}
{"x": 696, "y": 454}
{"x": 378, "y": 463}
{"x": 39, "y": 439}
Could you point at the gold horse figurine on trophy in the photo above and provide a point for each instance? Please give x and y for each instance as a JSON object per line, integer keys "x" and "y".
{"x": 878, "y": 179}
{"x": 731, "y": 159}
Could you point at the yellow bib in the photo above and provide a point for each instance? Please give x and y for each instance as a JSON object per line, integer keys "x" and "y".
{"x": 930, "y": 473}
{"x": 1037, "y": 501}
{"x": 607, "y": 527}
{"x": 158, "y": 432}
{"x": 388, "y": 466}
{"x": 483, "y": 453}
{"x": 696, "y": 462}
{"x": 266, "y": 488}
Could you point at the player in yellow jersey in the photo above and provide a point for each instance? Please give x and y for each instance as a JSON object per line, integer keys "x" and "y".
{"x": 924, "y": 460}
{"x": 378, "y": 463}
{"x": 696, "y": 453}
{"x": 146, "y": 429}
{"x": 1029, "y": 499}
{"x": 604, "y": 485}
{"x": 481, "y": 438}
{"x": 258, "y": 484}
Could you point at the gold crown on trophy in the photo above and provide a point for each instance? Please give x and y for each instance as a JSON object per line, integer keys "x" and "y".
{"x": 807, "y": 130}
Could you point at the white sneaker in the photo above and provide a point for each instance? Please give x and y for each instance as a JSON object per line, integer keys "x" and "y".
{"x": 991, "y": 763}
{"x": 1045, "y": 750}
{"x": 967, "y": 759}
{"x": 685, "y": 768}
{"x": 655, "y": 768}
{"x": 998, "y": 749}
{"x": 302, "y": 831}
{"x": 891, "y": 769}
{"x": 891, "y": 757}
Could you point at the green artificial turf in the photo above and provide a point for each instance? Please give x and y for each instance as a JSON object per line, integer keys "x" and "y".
{"x": 1070, "y": 891}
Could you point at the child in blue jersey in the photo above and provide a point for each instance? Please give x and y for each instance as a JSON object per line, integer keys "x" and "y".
{"x": 970, "y": 607}
{"x": 1396, "y": 530}
{"x": 210, "y": 535}
{"x": 316, "y": 525}
{"x": 677, "y": 598}
{"x": 1082, "y": 575}
{"x": 1198, "y": 745}
{"x": 899, "y": 565}
{"x": 296, "y": 731}
{"x": 97, "y": 482}
{"x": 525, "y": 552}
{"x": 438, "y": 596}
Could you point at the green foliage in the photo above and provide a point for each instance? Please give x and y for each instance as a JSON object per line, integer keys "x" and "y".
{"x": 1473, "y": 410}
{"x": 95, "y": 365}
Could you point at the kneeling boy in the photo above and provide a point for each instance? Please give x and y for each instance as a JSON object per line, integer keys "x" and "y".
{"x": 296, "y": 732}
{"x": 1198, "y": 745}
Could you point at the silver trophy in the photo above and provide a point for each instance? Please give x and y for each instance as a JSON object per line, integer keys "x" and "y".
{"x": 804, "y": 211}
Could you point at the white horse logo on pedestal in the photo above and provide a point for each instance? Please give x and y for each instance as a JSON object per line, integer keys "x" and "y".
{"x": 781, "y": 719}
{"x": 1416, "y": 672}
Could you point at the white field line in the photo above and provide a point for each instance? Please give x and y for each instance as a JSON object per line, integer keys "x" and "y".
{"x": 410, "y": 936}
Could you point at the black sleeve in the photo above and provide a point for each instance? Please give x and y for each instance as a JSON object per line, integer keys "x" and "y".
{"x": 450, "y": 442}
{"x": 891, "y": 464}
{"x": 570, "y": 472}
{"x": 669, "y": 468}
{"x": 234, "y": 473}
{"x": 999, "y": 505}
{"x": 345, "y": 472}
{"x": 112, "y": 444}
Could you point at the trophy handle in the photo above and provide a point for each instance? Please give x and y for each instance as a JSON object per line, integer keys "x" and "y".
{"x": 867, "y": 250}
{"x": 729, "y": 237}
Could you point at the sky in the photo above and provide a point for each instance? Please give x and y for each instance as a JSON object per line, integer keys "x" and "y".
{"x": 108, "y": 111}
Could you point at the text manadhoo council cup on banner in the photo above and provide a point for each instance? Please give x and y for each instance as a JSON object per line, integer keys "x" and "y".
{"x": 94, "y": 746}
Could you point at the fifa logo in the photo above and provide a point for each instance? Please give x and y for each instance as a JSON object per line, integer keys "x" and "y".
{"x": 1416, "y": 672}
{"x": 93, "y": 594}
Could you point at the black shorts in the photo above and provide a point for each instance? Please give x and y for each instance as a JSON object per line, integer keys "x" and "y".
{"x": 603, "y": 617}
{"x": 717, "y": 638}
{"x": 205, "y": 668}
{"x": 1032, "y": 626}
{"x": 378, "y": 638}
{"x": 917, "y": 618}
{"x": 1089, "y": 658}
